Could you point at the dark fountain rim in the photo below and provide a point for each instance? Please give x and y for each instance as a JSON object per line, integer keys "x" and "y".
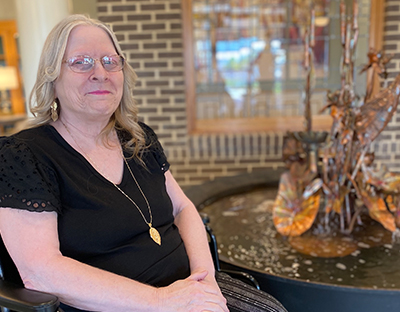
{"x": 210, "y": 191}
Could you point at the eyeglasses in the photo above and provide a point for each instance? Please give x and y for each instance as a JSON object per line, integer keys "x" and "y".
{"x": 84, "y": 63}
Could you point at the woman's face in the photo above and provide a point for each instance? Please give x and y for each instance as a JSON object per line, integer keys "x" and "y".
{"x": 92, "y": 94}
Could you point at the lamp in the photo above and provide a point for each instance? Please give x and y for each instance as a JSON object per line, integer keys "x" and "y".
{"x": 8, "y": 81}
{"x": 321, "y": 21}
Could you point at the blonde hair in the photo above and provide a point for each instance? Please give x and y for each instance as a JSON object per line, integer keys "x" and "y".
{"x": 43, "y": 93}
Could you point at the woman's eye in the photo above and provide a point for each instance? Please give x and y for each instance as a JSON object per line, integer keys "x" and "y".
{"x": 108, "y": 60}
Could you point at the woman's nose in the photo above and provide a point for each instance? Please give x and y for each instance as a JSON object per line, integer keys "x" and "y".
{"x": 99, "y": 72}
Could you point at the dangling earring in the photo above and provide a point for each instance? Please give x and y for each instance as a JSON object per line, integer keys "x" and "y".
{"x": 54, "y": 114}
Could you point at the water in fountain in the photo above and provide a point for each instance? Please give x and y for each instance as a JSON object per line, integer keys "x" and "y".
{"x": 247, "y": 237}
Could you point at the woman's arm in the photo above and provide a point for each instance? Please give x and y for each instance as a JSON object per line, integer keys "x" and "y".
{"x": 191, "y": 227}
{"x": 32, "y": 241}
{"x": 192, "y": 231}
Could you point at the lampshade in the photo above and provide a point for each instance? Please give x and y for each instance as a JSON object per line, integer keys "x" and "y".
{"x": 8, "y": 78}
{"x": 321, "y": 21}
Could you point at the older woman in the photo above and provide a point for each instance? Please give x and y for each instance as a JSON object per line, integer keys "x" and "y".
{"x": 90, "y": 211}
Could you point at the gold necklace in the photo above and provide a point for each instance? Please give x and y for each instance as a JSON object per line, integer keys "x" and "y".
{"x": 154, "y": 234}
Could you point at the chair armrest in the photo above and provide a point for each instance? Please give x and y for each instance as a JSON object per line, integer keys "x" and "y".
{"x": 20, "y": 299}
{"x": 243, "y": 276}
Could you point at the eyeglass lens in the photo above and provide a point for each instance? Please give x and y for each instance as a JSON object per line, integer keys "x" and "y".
{"x": 84, "y": 63}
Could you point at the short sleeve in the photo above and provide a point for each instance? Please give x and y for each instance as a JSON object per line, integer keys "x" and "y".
{"x": 155, "y": 147}
{"x": 26, "y": 183}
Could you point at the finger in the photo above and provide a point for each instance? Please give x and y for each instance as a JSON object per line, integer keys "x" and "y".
{"x": 218, "y": 305}
{"x": 209, "y": 297}
{"x": 212, "y": 284}
{"x": 207, "y": 306}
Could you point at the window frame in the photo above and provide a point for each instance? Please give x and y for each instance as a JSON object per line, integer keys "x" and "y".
{"x": 259, "y": 124}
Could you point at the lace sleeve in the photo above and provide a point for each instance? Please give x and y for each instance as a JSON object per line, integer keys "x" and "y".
{"x": 155, "y": 147}
{"x": 25, "y": 183}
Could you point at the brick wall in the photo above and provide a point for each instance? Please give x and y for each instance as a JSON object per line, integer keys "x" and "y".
{"x": 150, "y": 32}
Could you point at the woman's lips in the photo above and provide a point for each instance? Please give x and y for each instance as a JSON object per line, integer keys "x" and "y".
{"x": 100, "y": 92}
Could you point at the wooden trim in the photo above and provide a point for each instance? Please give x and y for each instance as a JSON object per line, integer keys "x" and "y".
{"x": 190, "y": 81}
{"x": 8, "y": 32}
{"x": 265, "y": 124}
{"x": 377, "y": 18}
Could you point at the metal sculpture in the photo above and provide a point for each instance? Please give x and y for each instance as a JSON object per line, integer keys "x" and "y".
{"x": 346, "y": 184}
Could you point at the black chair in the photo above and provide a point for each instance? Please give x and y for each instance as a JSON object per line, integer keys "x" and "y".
{"x": 13, "y": 295}
{"x": 243, "y": 276}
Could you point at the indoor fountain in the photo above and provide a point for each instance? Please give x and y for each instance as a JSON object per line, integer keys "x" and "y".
{"x": 321, "y": 235}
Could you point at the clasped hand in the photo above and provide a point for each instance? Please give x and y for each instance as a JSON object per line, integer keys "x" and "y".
{"x": 198, "y": 292}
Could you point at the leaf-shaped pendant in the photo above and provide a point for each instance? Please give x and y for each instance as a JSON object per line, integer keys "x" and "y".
{"x": 155, "y": 235}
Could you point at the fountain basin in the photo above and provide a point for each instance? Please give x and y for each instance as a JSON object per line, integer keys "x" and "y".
{"x": 298, "y": 293}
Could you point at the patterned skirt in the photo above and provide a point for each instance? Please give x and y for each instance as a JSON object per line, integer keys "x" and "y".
{"x": 242, "y": 297}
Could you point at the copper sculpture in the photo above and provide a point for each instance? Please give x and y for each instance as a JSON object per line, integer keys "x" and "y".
{"x": 331, "y": 177}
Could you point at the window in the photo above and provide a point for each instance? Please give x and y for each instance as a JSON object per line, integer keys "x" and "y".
{"x": 244, "y": 61}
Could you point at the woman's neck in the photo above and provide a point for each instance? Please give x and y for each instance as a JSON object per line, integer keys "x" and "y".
{"x": 86, "y": 133}
{"x": 92, "y": 133}
{"x": 105, "y": 156}
{"x": 90, "y": 126}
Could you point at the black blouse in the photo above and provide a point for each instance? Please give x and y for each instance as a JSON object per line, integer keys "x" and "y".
{"x": 97, "y": 225}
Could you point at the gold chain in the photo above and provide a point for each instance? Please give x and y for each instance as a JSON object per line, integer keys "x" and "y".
{"x": 154, "y": 234}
